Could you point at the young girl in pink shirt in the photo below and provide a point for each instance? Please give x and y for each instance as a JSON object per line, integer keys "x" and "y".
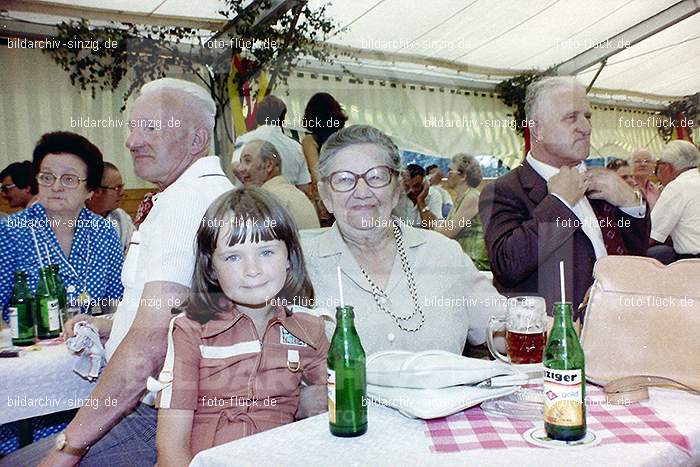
{"x": 239, "y": 351}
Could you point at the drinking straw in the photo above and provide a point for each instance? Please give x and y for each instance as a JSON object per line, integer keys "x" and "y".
{"x": 36, "y": 247}
{"x": 48, "y": 256}
{"x": 340, "y": 287}
{"x": 561, "y": 281}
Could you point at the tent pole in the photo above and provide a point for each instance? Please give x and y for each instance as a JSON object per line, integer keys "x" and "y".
{"x": 602, "y": 64}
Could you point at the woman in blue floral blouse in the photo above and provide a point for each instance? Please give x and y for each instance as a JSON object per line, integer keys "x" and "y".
{"x": 59, "y": 229}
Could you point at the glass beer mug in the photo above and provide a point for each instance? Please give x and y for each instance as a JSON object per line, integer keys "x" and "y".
{"x": 526, "y": 327}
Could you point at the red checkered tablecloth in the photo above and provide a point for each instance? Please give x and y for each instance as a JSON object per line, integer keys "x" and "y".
{"x": 631, "y": 424}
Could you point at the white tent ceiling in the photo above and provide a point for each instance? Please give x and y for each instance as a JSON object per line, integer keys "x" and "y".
{"x": 492, "y": 38}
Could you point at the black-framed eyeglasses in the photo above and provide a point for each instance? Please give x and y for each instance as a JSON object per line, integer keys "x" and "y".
{"x": 116, "y": 188}
{"x": 67, "y": 180}
{"x": 7, "y": 188}
{"x": 376, "y": 177}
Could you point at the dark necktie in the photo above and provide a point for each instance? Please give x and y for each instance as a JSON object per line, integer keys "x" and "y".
{"x": 605, "y": 212}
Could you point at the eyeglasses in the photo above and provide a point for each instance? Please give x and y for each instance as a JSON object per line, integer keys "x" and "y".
{"x": 116, "y": 188}
{"x": 67, "y": 180}
{"x": 7, "y": 188}
{"x": 376, "y": 177}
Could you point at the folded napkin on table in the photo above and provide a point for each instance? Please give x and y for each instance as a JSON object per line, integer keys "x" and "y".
{"x": 433, "y": 383}
{"x": 86, "y": 341}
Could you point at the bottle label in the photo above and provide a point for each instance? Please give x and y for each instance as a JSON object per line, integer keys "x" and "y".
{"x": 53, "y": 314}
{"x": 14, "y": 321}
{"x": 563, "y": 397}
{"x": 331, "y": 395}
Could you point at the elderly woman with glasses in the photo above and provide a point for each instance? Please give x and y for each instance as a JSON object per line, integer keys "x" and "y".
{"x": 644, "y": 172}
{"x": 411, "y": 289}
{"x": 59, "y": 229}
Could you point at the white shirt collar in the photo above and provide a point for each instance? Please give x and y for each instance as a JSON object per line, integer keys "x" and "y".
{"x": 547, "y": 171}
{"x": 688, "y": 173}
{"x": 207, "y": 165}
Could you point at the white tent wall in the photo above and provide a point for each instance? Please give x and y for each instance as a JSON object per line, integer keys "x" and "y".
{"x": 478, "y": 121}
{"x": 37, "y": 97}
{"x": 416, "y": 116}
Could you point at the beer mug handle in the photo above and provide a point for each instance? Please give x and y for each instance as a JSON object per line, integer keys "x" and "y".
{"x": 495, "y": 323}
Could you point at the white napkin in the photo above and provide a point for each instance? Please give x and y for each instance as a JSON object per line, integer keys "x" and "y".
{"x": 434, "y": 383}
{"x": 434, "y": 403}
{"x": 86, "y": 341}
{"x": 434, "y": 369}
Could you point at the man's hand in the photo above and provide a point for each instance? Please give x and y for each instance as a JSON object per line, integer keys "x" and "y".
{"x": 423, "y": 195}
{"x": 609, "y": 186}
{"x": 568, "y": 184}
{"x": 103, "y": 325}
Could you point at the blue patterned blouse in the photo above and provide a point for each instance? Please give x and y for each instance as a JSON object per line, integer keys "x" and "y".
{"x": 94, "y": 265}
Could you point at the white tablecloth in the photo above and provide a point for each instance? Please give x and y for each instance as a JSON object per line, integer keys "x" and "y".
{"x": 39, "y": 383}
{"x": 395, "y": 440}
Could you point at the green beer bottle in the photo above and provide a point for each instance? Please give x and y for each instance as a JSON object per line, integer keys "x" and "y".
{"x": 60, "y": 292}
{"x": 21, "y": 311}
{"x": 347, "y": 378}
{"x": 47, "y": 310}
{"x": 564, "y": 379}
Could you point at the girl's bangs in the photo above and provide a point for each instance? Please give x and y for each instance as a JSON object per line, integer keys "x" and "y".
{"x": 252, "y": 225}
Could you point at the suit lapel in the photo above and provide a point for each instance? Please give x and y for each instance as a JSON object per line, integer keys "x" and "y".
{"x": 533, "y": 184}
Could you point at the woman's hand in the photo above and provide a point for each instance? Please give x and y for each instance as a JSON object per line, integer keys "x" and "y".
{"x": 103, "y": 325}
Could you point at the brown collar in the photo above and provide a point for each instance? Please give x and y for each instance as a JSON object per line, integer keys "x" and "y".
{"x": 282, "y": 315}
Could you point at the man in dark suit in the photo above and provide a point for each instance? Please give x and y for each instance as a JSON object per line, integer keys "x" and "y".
{"x": 551, "y": 208}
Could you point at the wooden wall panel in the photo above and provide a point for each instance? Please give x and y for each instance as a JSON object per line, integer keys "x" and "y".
{"x": 130, "y": 202}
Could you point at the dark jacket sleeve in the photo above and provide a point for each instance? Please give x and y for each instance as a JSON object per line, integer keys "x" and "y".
{"x": 636, "y": 231}
{"x": 518, "y": 240}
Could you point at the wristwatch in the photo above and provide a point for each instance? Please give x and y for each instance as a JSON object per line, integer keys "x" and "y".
{"x": 63, "y": 446}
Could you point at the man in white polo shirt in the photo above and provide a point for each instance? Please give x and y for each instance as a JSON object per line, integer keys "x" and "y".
{"x": 269, "y": 117}
{"x": 170, "y": 132}
{"x": 677, "y": 212}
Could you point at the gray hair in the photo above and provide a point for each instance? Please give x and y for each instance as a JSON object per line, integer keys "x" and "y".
{"x": 681, "y": 155}
{"x": 357, "y": 134}
{"x": 197, "y": 99}
{"x": 536, "y": 91}
{"x": 641, "y": 152}
{"x": 268, "y": 152}
{"x": 469, "y": 166}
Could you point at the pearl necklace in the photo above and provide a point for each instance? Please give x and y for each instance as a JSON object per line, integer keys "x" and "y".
{"x": 410, "y": 279}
